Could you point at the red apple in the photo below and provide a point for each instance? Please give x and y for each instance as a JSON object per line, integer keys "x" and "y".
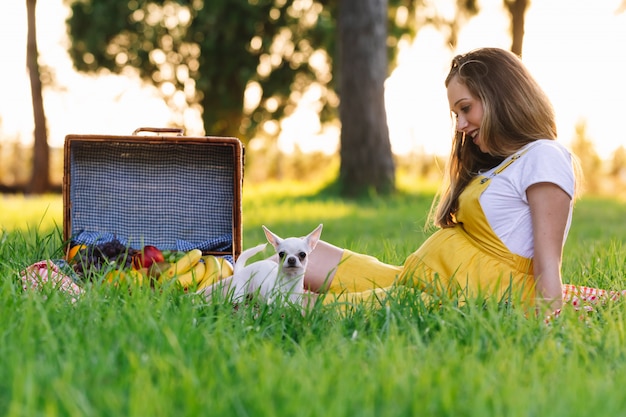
{"x": 148, "y": 255}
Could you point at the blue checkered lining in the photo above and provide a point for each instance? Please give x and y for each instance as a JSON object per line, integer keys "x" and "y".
{"x": 173, "y": 196}
{"x": 219, "y": 244}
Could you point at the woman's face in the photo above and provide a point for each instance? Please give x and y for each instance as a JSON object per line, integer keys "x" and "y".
{"x": 468, "y": 111}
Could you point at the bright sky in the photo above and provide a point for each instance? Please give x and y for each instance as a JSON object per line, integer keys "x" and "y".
{"x": 575, "y": 48}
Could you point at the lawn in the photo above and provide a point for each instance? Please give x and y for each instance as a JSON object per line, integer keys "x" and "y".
{"x": 145, "y": 353}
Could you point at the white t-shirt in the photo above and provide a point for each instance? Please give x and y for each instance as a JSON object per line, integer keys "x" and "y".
{"x": 505, "y": 203}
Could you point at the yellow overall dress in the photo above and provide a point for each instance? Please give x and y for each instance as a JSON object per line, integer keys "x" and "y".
{"x": 467, "y": 260}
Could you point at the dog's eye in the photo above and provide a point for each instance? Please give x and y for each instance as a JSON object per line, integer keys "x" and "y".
{"x": 281, "y": 255}
{"x": 302, "y": 255}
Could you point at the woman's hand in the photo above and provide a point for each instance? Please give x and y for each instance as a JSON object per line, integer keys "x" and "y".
{"x": 549, "y": 209}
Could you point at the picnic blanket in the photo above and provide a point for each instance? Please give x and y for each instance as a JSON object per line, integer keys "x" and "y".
{"x": 47, "y": 272}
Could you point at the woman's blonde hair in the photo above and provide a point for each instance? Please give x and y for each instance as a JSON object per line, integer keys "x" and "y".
{"x": 516, "y": 111}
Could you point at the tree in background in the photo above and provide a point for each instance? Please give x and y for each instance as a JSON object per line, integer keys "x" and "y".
{"x": 517, "y": 12}
{"x": 244, "y": 64}
{"x": 618, "y": 163}
{"x": 40, "y": 179}
{"x": 590, "y": 161}
{"x": 366, "y": 158}
{"x": 204, "y": 55}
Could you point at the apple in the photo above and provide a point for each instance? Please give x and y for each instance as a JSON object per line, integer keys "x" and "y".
{"x": 147, "y": 256}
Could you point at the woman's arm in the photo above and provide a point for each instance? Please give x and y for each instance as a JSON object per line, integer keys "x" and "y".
{"x": 549, "y": 209}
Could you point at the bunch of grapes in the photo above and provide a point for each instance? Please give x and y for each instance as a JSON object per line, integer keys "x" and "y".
{"x": 92, "y": 260}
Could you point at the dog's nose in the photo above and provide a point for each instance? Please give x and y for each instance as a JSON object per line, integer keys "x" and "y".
{"x": 291, "y": 261}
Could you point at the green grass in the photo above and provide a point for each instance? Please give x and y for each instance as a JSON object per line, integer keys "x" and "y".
{"x": 115, "y": 353}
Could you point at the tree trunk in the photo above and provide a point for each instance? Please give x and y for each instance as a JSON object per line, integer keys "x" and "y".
{"x": 366, "y": 158}
{"x": 517, "y": 10}
{"x": 40, "y": 181}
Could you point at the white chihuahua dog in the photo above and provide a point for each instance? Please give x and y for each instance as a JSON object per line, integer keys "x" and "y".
{"x": 271, "y": 280}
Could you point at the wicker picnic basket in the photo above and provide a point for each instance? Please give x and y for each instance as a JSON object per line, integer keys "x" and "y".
{"x": 154, "y": 187}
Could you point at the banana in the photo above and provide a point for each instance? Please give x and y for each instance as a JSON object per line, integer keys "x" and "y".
{"x": 128, "y": 277}
{"x": 192, "y": 276}
{"x": 212, "y": 272}
{"x": 218, "y": 268}
{"x": 183, "y": 265}
{"x": 227, "y": 268}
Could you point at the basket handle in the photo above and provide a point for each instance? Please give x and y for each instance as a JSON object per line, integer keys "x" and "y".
{"x": 178, "y": 131}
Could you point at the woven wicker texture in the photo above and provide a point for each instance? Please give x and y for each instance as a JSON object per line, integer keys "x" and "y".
{"x": 162, "y": 194}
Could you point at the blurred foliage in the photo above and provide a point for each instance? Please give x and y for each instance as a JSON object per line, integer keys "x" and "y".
{"x": 269, "y": 164}
{"x": 16, "y": 165}
{"x": 204, "y": 55}
{"x": 590, "y": 161}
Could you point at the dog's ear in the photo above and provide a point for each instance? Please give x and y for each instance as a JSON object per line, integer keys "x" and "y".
{"x": 313, "y": 237}
{"x": 271, "y": 237}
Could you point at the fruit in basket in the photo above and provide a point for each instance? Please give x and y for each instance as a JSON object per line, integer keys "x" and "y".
{"x": 71, "y": 254}
{"x": 182, "y": 265}
{"x": 212, "y": 271}
{"x": 226, "y": 268}
{"x": 217, "y": 268}
{"x": 158, "y": 268}
{"x": 93, "y": 259}
{"x": 192, "y": 276}
{"x": 129, "y": 277}
{"x": 147, "y": 256}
